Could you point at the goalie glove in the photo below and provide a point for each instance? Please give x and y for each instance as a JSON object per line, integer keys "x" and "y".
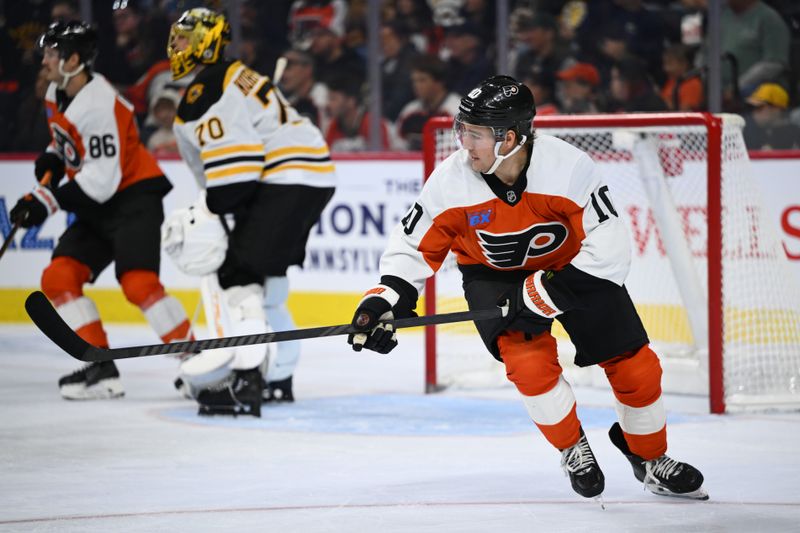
{"x": 195, "y": 239}
{"x": 370, "y": 319}
{"x": 539, "y": 295}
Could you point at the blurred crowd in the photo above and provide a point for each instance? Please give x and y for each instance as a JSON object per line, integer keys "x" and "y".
{"x": 597, "y": 56}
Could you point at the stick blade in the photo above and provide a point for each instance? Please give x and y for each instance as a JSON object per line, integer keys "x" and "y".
{"x": 44, "y": 315}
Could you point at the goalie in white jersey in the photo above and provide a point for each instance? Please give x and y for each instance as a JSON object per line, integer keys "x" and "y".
{"x": 266, "y": 168}
{"x": 99, "y": 171}
{"x": 533, "y": 226}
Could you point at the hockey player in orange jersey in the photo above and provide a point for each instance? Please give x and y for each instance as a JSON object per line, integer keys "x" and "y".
{"x": 100, "y": 171}
{"x": 533, "y": 226}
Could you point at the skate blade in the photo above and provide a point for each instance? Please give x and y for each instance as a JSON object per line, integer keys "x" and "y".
{"x": 599, "y": 499}
{"x": 106, "y": 389}
{"x": 699, "y": 494}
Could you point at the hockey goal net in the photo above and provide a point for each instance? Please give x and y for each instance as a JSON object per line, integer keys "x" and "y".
{"x": 709, "y": 276}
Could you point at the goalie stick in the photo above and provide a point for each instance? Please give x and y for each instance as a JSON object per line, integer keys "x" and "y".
{"x": 53, "y": 326}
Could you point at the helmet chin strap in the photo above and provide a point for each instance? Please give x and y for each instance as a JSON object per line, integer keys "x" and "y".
{"x": 500, "y": 158}
{"x": 67, "y": 75}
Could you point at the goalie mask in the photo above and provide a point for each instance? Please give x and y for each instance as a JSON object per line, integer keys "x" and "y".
{"x": 69, "y": 38}
{"x": 500, "y": 103}
{"x": 205, "y": 33}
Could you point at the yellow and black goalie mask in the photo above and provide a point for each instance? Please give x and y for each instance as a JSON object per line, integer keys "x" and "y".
{"x": 199, "y": 36}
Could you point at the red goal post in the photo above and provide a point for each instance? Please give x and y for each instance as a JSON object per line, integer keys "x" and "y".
{"x": 700, "y": 289}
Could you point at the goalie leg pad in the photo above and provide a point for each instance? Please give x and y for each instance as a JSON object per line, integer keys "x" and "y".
{"x": 285, "y": 356}
{"x": 245, "y": 305}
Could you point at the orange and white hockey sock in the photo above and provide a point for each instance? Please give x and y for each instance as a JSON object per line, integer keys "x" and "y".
{"x": 81, "y": 315}
{"x": 532, "y": 365}
{"x": 62, "y": 283}
{"x": 163, "y": 312}
{"x": 636, "y": 381}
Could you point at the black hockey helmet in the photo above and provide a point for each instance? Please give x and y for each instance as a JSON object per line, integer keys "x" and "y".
{"x": 501, "y": 103}
{"x": 71, "y": 37}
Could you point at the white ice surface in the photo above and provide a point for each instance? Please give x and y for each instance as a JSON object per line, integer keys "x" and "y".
{"x": 362, "y": 450}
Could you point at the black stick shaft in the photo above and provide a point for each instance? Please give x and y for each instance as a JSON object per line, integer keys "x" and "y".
{"x": 51, "y": 324}
{"x": 9, "y": 239}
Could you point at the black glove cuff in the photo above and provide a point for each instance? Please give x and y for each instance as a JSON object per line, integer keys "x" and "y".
{"x": 48, "y": 161}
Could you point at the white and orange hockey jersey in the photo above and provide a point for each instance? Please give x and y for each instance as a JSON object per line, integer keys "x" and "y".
{"x": 562, "y": 215}
{"x": 97, "y": 138}
{"x": 234, "y": 126}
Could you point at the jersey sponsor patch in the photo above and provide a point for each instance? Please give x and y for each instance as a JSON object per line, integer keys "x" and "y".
{"x": 480, "y": 218}
{"x": 512, "y": 250}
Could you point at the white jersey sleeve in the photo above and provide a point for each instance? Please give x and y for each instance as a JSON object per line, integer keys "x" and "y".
{"x": 94, "y": 114}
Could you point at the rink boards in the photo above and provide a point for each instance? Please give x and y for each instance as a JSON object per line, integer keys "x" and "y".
{"x": 344, "y": 248}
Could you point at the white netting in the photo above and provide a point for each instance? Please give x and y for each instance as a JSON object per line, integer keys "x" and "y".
{"x": 657, "y": 176}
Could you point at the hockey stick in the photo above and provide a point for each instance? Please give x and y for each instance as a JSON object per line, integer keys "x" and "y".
{"x": 16, "y": 226}
{"x": 51, "y": 324}
{"x": 280, "y": 66}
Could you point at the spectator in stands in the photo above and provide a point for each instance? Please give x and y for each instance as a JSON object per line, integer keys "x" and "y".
{"x": 769, "y": 127}
{"x": 632, "y": 90}
{"x": 468, "y": 63}
{"x": 543, "y": 88}
{"x": 418, "y": 16}
{"x": 638, "y": 26}
{"x": 318, "y": 26}
{"x": 613, "y": 49}
{"x": 482, "y": 14}
{"x": 579, "y": 84}
{"x": 349, "y": 129}
{"x": 543, "y": 50}
{"x": 32, "y": 132}
{"x": 161, "y": 139}
{"x": 138, "y": 39}
{"x": 64, "y": 10}
{"x": 304, "y": 92}
{"x": 429, "y": 79}
{"x": 756, "y": 35}
{"x": 398, "y": 55}
{"x": 683, "y": 90}
{"x": 10, "y": 94}
{"x": 572, "y": 15}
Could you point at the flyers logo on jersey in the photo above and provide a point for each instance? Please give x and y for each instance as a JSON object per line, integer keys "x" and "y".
{"x": 66, "y": 146}
{"x": 512, "y": 250}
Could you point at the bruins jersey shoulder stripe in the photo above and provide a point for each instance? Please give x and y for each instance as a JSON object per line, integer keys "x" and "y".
{"x": 203, "y": 92}
{"x": 234, "y": 127}
{"x": 563, "y": 218}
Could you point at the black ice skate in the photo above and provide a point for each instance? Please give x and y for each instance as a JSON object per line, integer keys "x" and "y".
{"x": 663, "y": 476}
{"x": 239, "y": 395}
{"x": 584, "y": 473}
{"x": 279, "y": 391}
{"x": 95, "y": 381}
